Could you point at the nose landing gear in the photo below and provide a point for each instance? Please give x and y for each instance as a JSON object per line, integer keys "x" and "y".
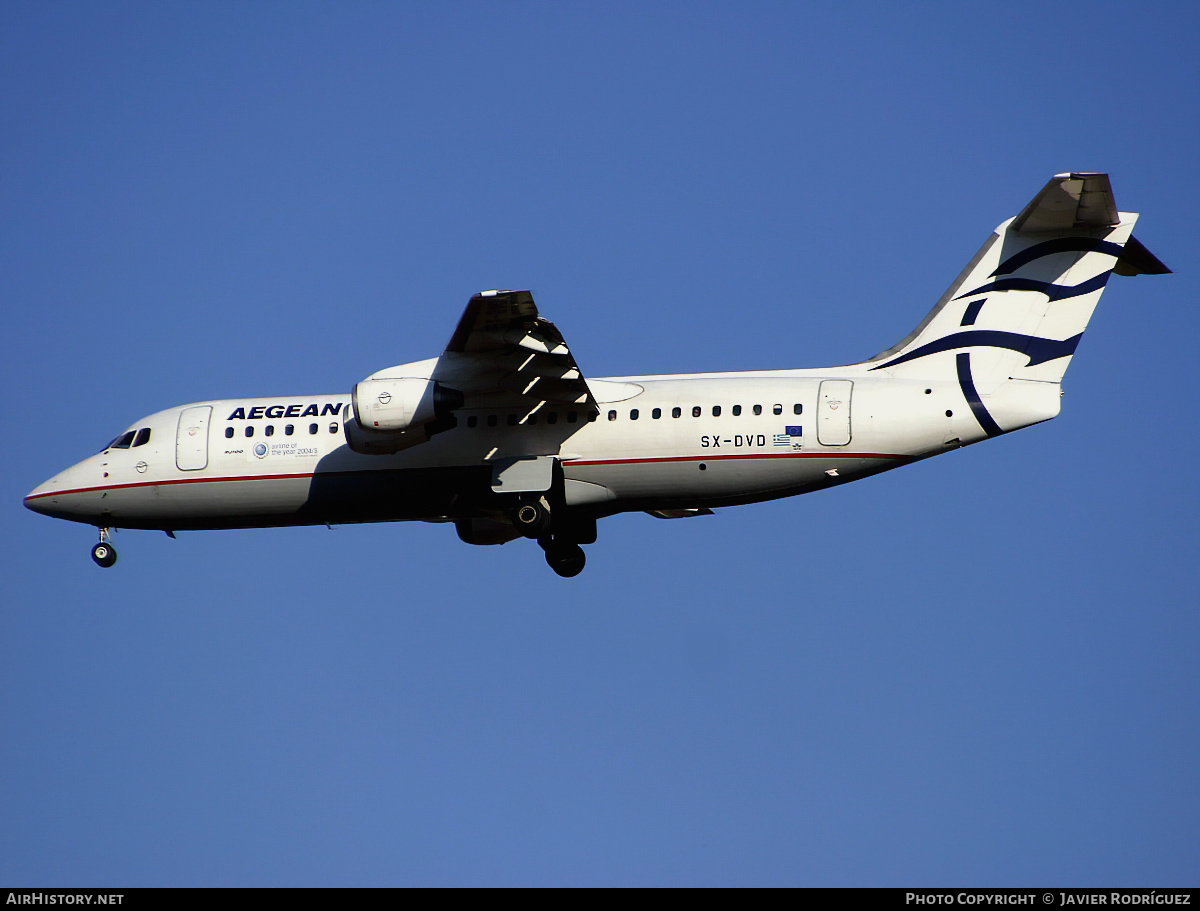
{"x": 104, "y": 553}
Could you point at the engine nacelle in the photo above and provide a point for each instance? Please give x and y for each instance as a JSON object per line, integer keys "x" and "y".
{"x": 394, "y": 413}
{"x": 393, "y": 404}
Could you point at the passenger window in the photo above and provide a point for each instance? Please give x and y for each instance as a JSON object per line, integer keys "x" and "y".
{"x": 270, "y": 431}
{"x": 491, "y": 420}
{"x": 289, "y": 429}
{"x": 797, "y": 409}
{"x": 696, "y": 411}
{"x": 472, "y": 421}
{"x": 142, "y": 438}
{"x": 716, "y": 411}
{"x": 633, "y": 414}
{"x": 758, "y": 409}
{"x": 250, "y": 430}
{"x": 676, "y": 411}
{"x": 512, "y": 420}
{"x": 312, "y": 428}
{"x": 123, "y": 441}
{"x": 552, "y": 417}
{"x": 778, "y": 409}
{"x": 531, "y": 419}
{"x": 612, "y": 415}
{"x": 333, "y": 428}
{"x": 737, "y": 409}
{"x": 656, "y": 413}
{"x": 572, "y": 417}
{"x": 229, "y": 433}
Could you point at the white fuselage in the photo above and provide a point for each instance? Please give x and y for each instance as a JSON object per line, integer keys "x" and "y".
{"x": 660, "y": 442}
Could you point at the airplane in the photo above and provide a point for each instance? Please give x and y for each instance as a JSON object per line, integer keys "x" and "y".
{"x": 503, "y": 436}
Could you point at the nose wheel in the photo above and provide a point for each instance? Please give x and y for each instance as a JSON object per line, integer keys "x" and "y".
{"x": 104, "y": 553}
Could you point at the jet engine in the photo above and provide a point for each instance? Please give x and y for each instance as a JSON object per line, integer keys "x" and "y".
{"x": 394, "y": 413}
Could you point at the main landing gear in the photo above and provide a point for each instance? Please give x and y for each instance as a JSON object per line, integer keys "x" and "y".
{"x": 564, "y": 557}
{"x": 531, "y": 518}
{"x": 104, "y": 553}
{"x": 557, "y": 535}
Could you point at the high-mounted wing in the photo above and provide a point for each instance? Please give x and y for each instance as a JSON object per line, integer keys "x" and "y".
{"x": 503, "y": 355}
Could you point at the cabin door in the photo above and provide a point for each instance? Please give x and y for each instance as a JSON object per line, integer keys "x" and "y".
{"x": 833, "y": 412}
{"x": 191, "y": 441}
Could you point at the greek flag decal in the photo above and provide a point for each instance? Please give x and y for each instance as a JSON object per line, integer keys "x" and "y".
{"x": 790, "y": 438}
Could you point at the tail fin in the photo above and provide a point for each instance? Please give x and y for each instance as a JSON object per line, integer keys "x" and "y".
{"x": 1019, "y": 309}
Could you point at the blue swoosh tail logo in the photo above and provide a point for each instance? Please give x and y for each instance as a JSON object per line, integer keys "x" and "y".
{"x": 1038, "y": 350}
{"x": 1058, "y": 245}
{"x": 966, "y": 383}
{"x": 1051, "y": 290}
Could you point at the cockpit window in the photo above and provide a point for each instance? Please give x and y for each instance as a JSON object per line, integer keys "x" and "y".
{"x": 130, "y": 438}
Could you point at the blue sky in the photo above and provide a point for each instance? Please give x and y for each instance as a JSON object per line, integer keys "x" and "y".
{"x": 980, "y": 669}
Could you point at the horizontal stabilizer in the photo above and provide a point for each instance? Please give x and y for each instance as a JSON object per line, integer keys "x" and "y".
{"x": 1135, "y": 259}
{"x": 1067, "y": 202}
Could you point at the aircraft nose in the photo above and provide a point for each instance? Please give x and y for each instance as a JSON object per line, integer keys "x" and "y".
{"x": 58, "y": 496}
{"x": 72, "y": 494}
{"x": 40, "y": 499}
